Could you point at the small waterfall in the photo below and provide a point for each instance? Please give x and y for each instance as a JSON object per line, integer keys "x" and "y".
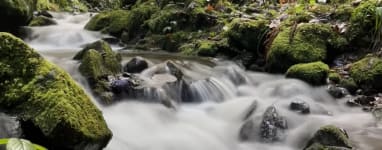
{"x": 68, "y": 34}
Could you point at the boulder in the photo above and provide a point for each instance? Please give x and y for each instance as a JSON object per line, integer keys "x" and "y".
{"x": 314, "y": 73}
{"x": 362, "y": 100}
{"x": 329, "y": 137}
{"x": 273, "y": 125}
{"x": 367, "y": 73}
{"x": 300, "y": 106}
{"x": 304, "y": 44}
{"x": 111, "y": 22}
{"x": 136, "y": 65}
{"x": 248, "y": 34}
{"x": 54, "y": 111}
{"x": 337, "y": 92}
{"x": 15, "y": 13}
{"x": 98, "y": 62}
{"x": 42, "y": 21}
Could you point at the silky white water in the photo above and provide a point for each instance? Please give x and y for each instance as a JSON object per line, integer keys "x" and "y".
{"x": 225, "y": 93}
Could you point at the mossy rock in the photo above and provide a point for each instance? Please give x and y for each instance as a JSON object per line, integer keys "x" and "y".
{"x": 343, "y": 12}
{"x": 248, "y": 34}
{"x": 98, "y": 61}
{"x": 47, "y": 100}
{"x": 137, "y": 17}
{"x": 349, "y": 84}
{"x": 329, "y": 137}
{"x": 15, "y": 13}
{"x": 60, "y": 5}
{"x": 314, "y": 73}
{"x": 173, "y": 17}
{"x": 367, "y": 73}
{"x": 110, "y": 22}
{"x": 334, "y": 77}
{"x": 102, "y": 53}
{"x": 105, "y": 4}
{"x": 362, "y": 21}
{"x": 308, "y": 43}
{"x": 42, "y": 21}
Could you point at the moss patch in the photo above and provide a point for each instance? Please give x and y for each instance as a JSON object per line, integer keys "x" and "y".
{"x": 248, "y": 34}
{"x": 43, "y": 94}
{"x": 314, "y": 73}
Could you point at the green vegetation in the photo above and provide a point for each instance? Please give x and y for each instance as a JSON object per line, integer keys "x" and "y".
{"x": 111, "y": 22}
{"x": 15, "y": 13}
{"x": 314, "y": 73}
{"x": 334, "y": 77}
{"x": 45, "y": 98}
{"x": 15, "y": 144}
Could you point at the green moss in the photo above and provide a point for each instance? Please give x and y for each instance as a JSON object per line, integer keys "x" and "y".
{"x": 43, "y": 94}
{"x": 343, "y": 12}
{"x": 248, "y": 34}
{"x": 334, "y": 77}
{"x": 314, "y": 73}
{"x": 349, "y": 84}
{"x": 172, "y": 17}
{"x": 307, "y": 44}
{"x": 328, "y": 137}
{"x": 362, "y": 20}
{"x": 367, "y": 72}
{"x": 60, "y": 5}
{"x": 106, "y": 4}
{"x": 98, "y": 61}
{"x": 111, "y": 22}
{"x": 137, "y": 17}
{"x": 42, "y": 21}
{"x": 100, "y": 55}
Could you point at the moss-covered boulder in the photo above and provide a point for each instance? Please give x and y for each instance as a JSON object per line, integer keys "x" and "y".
{"x": 111, "y": 22}
{"x": 367, "y": 72}
{"x": 303, "y": 44}
{"x": 363, "y": 21}
{"x": 248, "y": 34}
{"x": 329, "y": 137}
{"x": 15, "y": 13}
{"x": 42, "y": 21}
{"x": 314, "y": 73}
{"x": 98, "y": 61}
{"x": 54, "y": 110}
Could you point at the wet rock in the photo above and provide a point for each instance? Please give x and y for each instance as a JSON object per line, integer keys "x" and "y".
{"x": 250, "y": 110}
{"x": 174, "y": 70}
{"x": 272, "y": 126}
{"x": 136, "y": 65}
{"x": 9, "y": 126}
{"x": 42, "y": 21}
{"x": 247, "y": 130}
{"x": 119, "y": 86}
{"x": 337, "y": 92}
{"x": 45, "y": 14}
{"x": 362, "y": 100}
{"x": 300, "y": 106}
{"x": 329, "y": 137}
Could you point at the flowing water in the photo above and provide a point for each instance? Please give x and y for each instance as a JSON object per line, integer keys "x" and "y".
{"x": 224, "y": 93}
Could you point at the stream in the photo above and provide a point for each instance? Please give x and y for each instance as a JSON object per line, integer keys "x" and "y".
{"x": 224, "y": 92}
